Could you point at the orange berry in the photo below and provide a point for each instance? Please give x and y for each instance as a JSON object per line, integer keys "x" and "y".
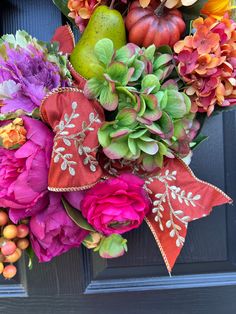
{"x": 9, "y": 271}
{"x": 8, "y": 248}
{"x": 10, "y": 232}
{"x": 22, "y": 231}
{"x": 22, "y": 244}
{"x": 3, "y": 241}
{"x": 1, "y": 267}
{"x": 3, "y": 218}
{"x": 13, "y": 257}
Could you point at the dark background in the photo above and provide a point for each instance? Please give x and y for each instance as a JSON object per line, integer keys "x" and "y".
{"x": 204, "y": 279}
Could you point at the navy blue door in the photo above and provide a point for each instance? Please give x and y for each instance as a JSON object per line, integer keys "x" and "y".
{"x": 204, "y": 279}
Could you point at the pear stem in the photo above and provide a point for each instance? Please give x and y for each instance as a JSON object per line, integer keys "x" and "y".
{"x": 112, "y": 4}
{"x": 159, "y": 10}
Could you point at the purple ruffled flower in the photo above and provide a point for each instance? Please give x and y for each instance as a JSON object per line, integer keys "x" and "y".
{"x": 30, "y": 77}
{"x": 52, "y": 232}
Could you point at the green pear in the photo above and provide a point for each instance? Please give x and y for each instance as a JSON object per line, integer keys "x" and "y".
{"x": 104, "y": 23}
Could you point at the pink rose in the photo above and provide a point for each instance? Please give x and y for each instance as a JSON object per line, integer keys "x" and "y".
{"x": 116, "y": 205}
{"x": 52, "y": 232}
{"x": 24, "y": 172}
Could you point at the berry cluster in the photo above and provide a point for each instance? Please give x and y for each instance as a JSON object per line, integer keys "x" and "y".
{"x": 13, "y": 241}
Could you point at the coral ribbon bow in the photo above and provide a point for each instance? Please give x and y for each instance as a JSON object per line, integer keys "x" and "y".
{"x": 178, "y": 197}
{"x": 65, "y": 38}
{"x": 75, "y": 121}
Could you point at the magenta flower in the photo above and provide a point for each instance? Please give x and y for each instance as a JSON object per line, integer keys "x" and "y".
{"x": 24, "y": 172}
{"x": 52, "y": 232}
{"x": 116, "y": 205}
{"x": 188, "y": 61}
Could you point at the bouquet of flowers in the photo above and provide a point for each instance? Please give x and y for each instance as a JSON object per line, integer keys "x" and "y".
{"x": 95, "y": 137}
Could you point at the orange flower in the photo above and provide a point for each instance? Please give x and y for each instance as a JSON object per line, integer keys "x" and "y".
{"x": 82, "y": 8}
{"x": 185, "y": 44}
{"x": 13, "y": 134}
{"x": 205, "y": 41}
{"x": 217, "y": 8}
{"x": 207, "y": 64}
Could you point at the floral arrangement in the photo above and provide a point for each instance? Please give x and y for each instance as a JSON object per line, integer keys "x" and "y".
{"x": 96, "y": 138}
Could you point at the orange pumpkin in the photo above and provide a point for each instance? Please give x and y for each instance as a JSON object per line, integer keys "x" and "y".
{"x": 154, "y": 24}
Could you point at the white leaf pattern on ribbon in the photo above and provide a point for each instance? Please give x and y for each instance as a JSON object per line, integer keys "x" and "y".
{"x": 170, "y": 194}
{"x": 77, "y": 139}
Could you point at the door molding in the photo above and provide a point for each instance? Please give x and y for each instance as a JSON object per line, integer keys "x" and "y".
{"x": 161, "y": 283}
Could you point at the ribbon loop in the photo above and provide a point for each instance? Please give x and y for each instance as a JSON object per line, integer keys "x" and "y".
{"x": 75, "y": 121}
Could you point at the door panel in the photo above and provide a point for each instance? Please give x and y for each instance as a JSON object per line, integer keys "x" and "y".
{"x": 204, "y": 278}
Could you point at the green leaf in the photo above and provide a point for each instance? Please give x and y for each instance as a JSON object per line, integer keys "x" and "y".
{"x": 118, "y": 72}
{"x": 107, "y": 99}
{"x": 162, "y": 148}
{"x": 146, "y": 138}
{"x": 120, "y": 132}
{"x": 126, "y": 117}
{"x": 166, "y": 124}
{"x": 104, "y": 134}
{"x": 149, "y": 162}
{"x": 3, "y": 51}
{"x": 165, "y": 49}
{"x": 10, "y": 38}
{"x": 126, "y": 54}
{"x": 149, "y": 52}
{"x": 155, "y": 129}
{"x": 152, "y": 114}
{"x": 133, "y": 147}
{"x": 179, "y": 130}
{"x": 164, "y": 100}
{"x": 151, "y": 101}
{"x": 150, "y": 148}
{"x": 150, "y": 84}
{"x": 198, "y": 140}
{"x": 162, "y": 60}
{"x": 138, "y": 70}
{"x": 62, "y": 6}
{"x": 76, "y": 216}
{"x": 31, "y": 255}
{"x": 187, "y": 102}
{"x": 93, "y": 88}
{"x": 175, "y": 106}
{"x": 104, "y": 50}
{"x": 142, "y": 106}
{"x": 138, "y": 134}
{"x": 159, "y": 74}
{"x": 125, "y": 91}
{"x": 116, "y": 150}
{"x": 21, "y": 38}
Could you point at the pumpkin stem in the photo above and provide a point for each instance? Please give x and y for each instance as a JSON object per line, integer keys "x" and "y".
{"x": 159, "y": 10}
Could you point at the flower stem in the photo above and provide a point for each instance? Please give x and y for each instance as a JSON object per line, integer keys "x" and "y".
{"x": 112, "y": 4}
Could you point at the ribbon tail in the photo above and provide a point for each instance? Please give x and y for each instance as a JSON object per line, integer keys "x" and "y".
{"x": 165, "y": 259}
{"x": 178, "y": 198}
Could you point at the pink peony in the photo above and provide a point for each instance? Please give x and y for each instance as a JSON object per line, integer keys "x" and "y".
{"x": 116, "y": 205}
{"x": 52, "y": 232}
{"x": 24, "y": 172}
